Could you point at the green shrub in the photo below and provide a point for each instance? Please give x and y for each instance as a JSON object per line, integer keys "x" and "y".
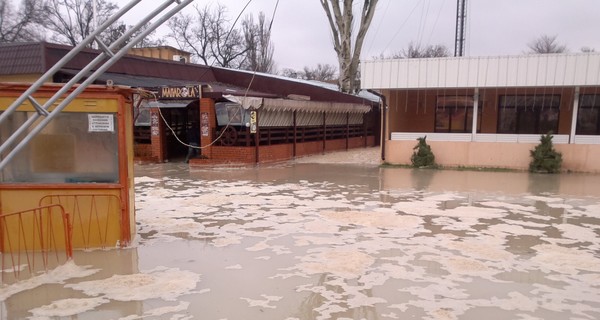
{"x": 422, "y": 155}
{"x": 544, "y": 158}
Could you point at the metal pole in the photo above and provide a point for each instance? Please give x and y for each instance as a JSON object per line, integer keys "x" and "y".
{"x": 90, "y": 80}
{"x": 83, "y": 72}
{"x": 475, "y": 115}
{"x": 575, "y": 114}
{"x": 65, "y": 59}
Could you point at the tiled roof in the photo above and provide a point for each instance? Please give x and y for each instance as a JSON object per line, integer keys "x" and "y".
{"x": 22, "y": 58}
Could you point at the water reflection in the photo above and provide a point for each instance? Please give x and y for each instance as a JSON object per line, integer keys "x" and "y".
{"x": 490, "y": 182}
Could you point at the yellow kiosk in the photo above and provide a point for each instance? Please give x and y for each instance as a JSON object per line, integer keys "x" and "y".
{"x": 72, "y": 185}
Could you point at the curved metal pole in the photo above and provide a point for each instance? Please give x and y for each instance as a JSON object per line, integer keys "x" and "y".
{"x": 182, "y": 4}
{"x": 11, "y": 140}
{"x": 36, "y": 85}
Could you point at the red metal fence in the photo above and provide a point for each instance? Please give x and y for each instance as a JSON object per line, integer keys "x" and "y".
{"x": 34, "y": 241}
{"x": 92, "y": 216}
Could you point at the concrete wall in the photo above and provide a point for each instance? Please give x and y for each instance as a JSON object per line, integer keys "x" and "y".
{"x": 578, "y": 158}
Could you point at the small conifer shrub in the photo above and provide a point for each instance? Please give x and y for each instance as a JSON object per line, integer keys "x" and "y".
{"x": 422, "y": 155}
{"x": 544, "y": 158}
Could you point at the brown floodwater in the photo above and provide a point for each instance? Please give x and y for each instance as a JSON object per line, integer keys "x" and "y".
{"x": 337, "y": 241}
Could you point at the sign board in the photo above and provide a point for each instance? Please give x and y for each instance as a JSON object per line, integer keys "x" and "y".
{"x": 154, "y": 124}
{"x": 204, "y": 125}
{"x": 101, "y": 123}
{"x": 179, "y": 92}
{"x": 253, "y": 125}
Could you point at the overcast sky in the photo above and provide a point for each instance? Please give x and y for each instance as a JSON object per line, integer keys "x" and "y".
{"x": 494, "y": 27}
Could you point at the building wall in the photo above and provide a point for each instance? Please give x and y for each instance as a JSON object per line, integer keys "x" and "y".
{"x": 577, "y": 158}
{"x": 26, "y": 78}
{"x": 280, "y": 152}
{"x": 164, "y": 53}
{"x": 414, "y": 110}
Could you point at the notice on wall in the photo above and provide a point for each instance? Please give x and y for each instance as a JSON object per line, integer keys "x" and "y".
{"x": 101, "y": 123}
{"x": 154, "y": 124}
{"x": 253, "y": 122}
{"x": 204, "y": 125}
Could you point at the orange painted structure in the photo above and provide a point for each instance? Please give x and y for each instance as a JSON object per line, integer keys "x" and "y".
{"x": 82, "y": 161}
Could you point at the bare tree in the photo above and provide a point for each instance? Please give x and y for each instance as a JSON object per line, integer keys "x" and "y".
{"x": 21, "y": 24}
{"x": 416, "y": 51}
{"x": 546, "y": 44}
{"x": 260, "y": 49}
{"x": 587, "y": 49}
{"x": 322, "y": 72}
{"x": 209, "y": 36}
{"x": 71, "y": 21}
{"x": 341, "y": 23}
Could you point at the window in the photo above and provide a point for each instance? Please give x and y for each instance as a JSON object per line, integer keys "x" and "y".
{"x": 73, "y": 147}
{"x": 455, "y": 114}
{"x": 528, "y": 114}
{"x": 588, "y": 117}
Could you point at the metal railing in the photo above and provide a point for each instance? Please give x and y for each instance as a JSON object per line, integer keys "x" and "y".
{"x": 91, "y": 218}
{"x": 34, "y": 240}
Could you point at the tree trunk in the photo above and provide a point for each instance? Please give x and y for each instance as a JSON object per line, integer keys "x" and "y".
{"x": 340, "y": 22}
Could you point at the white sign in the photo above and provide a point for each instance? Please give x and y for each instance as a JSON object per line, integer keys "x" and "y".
{"x": 101, "y": 123}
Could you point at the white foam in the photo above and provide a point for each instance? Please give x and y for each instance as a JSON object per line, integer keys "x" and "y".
{"x": 60, "y": 274}
{"x": 67, "y": 307}
{"x": 161, "y": 282}
{"x": 265, "y": 303}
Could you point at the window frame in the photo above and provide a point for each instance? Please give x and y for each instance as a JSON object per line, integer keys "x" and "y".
{"x": 521, "y": 109}
{"x": 594, "y": 106}
{"x": 469, "y": 110}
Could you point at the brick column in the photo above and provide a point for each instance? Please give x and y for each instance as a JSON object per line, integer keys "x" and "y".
{"x": 207, "y": 134}
{"x": 157, "y": 135}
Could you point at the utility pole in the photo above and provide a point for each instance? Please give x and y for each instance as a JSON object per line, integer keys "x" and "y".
{"x": 461, "y": 14}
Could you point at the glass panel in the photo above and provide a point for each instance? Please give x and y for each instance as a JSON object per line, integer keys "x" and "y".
{"x": 548, "y": 121}
{"x": 589, "y": 100}
{"x": 74, "y": 147}
{"x": 527, "y": 118}
{"x": 587, "y": 121}
{"x": 142, "y": 117}
{"x": 529, "y": 114}
{"x": 507, "y": 120}
{"x": 469, "y": 120}
{"x": 457, "y": 122}
{"x": 442, "y": 120}
{"x": 454, "y": 114}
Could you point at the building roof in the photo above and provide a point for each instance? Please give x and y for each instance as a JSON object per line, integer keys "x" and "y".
{"x": 543, "y": 70}
{"x": 137, "y": 71}
{"x": 39, "y": 57}
{"x": 21, "y": 58}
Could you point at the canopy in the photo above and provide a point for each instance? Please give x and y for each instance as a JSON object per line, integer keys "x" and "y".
{"x": 269, "y": 104}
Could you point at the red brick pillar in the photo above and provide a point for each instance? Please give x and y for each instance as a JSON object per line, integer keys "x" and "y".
{"x": 208, "y": 124}
{"x": 157, "y": 135}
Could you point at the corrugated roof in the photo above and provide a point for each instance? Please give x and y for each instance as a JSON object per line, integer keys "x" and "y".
{"x": 544, "y": 70}
{"x": 285, "y": 87}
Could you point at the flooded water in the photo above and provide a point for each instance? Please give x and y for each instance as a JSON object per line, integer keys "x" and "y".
{"x": 314, "y": 239}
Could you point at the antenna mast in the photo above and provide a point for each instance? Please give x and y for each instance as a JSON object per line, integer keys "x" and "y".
{"x": 461, "y": 14}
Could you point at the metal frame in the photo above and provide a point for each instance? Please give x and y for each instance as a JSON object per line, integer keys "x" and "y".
{"x": 43, "y": 110}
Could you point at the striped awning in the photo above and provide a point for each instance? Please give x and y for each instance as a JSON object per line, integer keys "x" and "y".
{"x": 269, "y": 104}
